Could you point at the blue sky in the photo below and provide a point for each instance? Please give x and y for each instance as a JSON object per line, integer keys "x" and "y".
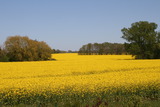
{"x": 69, "y": 24}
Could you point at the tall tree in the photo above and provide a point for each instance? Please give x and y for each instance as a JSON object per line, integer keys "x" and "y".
{"x": 142, "y": 39}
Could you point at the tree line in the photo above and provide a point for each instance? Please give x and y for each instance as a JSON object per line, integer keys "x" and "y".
{"x": 22, "y": 48}
{"x": 102, "y": 49}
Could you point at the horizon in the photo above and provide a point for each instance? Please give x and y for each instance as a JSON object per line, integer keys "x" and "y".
{"x": 67, "y": 25}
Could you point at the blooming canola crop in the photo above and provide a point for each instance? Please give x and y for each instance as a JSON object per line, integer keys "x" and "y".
{"x": 72, "y": 73}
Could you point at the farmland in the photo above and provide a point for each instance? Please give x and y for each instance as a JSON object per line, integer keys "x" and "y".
{"x": 81, "y": 80}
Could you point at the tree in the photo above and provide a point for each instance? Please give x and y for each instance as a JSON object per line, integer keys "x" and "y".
{"x": 142, "y": 40}
{"x": 21, "y": 48}
{"x": 16, "y": 47}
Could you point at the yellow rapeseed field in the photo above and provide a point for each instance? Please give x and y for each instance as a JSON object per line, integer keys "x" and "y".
{"x": 73, "y": 73}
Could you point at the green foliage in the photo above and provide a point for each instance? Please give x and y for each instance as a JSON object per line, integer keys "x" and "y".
{"x": 102, "y": 49}
{"x": 143, "y": 40}
{"x": 20, "y": 48}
